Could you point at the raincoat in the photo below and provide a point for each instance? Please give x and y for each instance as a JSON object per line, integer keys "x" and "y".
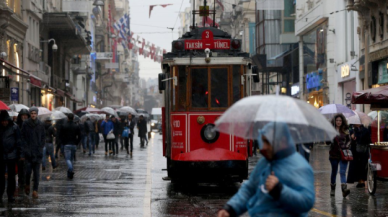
{"x": 295, "y": 194}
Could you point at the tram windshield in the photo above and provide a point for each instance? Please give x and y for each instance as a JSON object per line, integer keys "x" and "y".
{"x": 207, "y": 88}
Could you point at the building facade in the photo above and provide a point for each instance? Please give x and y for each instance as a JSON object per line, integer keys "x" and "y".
{"x": 328, "y": 52}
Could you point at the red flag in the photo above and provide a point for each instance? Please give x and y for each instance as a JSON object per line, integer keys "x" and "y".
{"x": 208, "y": 22}
{"x": 140, "y": 51}
{"x": 143, "y": 43}
{"x": 130, "y": 46}
{"x": 152, "y": 7}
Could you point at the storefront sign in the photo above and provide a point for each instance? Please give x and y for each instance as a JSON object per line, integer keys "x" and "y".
{"x": 14, "y": 94}
{"x": 313, "y": 80}
{"x": 383, "y": 74}
{"x": 35, "y": 82}
{"x": 378, "y": 55}
{"x": 345, "y": 71}
{"x": 104, "y": 56}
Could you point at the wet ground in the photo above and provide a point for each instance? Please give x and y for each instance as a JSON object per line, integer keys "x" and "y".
{"x": 133, "y": 186}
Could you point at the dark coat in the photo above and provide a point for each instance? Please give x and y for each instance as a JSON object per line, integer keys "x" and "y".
{"x": 19, "y": 120}
{"x": 11, "y": 147}
{"x": 34, "y": 139}
{"x": 358, "y": 167}
{"x": 70, "y": 133}
{"x": 117, "y": 129}
{"x": 50, "y": 133}
{"x": 131, "y": 126}
{"x": 341, "y": 141}
{"x": 89, "y": 126}
{"x": 142, "y": 125}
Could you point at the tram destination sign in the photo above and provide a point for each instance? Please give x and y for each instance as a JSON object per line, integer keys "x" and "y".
{"x": 207, "y": 41}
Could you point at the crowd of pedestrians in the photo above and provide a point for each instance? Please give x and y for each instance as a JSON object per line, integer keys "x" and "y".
{"x": 27, "y": 142}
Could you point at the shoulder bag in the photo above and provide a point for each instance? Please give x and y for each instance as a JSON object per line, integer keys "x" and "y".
{"x": 110, "y": 135}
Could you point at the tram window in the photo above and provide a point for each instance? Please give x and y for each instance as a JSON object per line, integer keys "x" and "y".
{"x": 219, "y": 87}
{"x": 236, "y": 83}
{"x": 182, "y": 78}
{"x": 199, "y": 88}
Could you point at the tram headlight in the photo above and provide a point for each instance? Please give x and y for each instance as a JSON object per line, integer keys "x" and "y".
{"x": 236, "y": 44}
{"x": 209, "y": 133}
{"x": 177, "y": 45}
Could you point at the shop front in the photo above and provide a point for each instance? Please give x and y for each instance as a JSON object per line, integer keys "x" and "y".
{"x": 36, "y": 86}
{"x": 315, "y": 85}
{"x": 48, "y": 98}
{"x": 315, "y": 88}
{"x": 59, "y": 98}
{"x": 347, "y": 77}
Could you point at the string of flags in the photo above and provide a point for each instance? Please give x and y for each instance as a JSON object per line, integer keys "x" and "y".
{"x": 152, "y": 7}
{"x": 128, "y": 40}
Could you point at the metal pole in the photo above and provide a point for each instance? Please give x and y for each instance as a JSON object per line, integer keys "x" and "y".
{"x": 378, "y": 126}
{"x": 193, "y": 14}
{"x": 214, "y": 14}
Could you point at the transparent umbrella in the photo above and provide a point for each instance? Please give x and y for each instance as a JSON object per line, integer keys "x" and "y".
{"x": 360, "y": 118}
{"x": 56, "y": 115}
{"x": 331, "y": 110}
{"x": 13, "y": 113}
{"x": 127, "y": 110}
{"x": 64, "y": 110}
{"x": 93, "y": 117}
{"x": 305, "y": 123}
{"x": 109, "y": 111}
{"x": 42, "y": 111}
{"x": 17, "y": 107}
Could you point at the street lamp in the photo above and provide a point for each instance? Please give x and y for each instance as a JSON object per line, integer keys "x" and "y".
{"x": 55, "y": 46}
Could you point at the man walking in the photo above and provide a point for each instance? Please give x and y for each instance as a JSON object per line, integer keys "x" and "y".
{"x": 33, "y": 136}
{"x": 107, "y": 124}
{"x": 10, "y": 153}
{"x": 142, "y": 125}
{"x": 24, "y": 114}
{"x": 70, "y": 137}
{"x": 89, "y": 133}
{"x": 117, "y": 132}
{"x": 49, "y": 147}
{"x": 130, "y": 123}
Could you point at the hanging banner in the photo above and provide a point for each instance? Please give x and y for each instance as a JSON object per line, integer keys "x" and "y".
{"x": 14, "y": 94}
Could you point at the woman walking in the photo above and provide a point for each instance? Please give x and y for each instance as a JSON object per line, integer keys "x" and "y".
{"x": 358, "y": 166}
{"x": 340, "y": 143}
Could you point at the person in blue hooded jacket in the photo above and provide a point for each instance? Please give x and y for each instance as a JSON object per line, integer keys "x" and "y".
{"x": 282, "y": 183}
{"x": 108, "y": 126}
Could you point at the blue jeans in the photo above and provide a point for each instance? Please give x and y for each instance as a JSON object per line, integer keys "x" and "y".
{"x": 69, "y": 156}
{"x": 334, "y": 170}
{"x": 89, "y": 140}
{"x": 84, "y": 140}
{"x": 48, "y": 150}
{"x": 33, "y": 167}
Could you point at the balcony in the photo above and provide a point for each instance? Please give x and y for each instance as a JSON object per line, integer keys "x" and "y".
{"x": 119, "y": 6}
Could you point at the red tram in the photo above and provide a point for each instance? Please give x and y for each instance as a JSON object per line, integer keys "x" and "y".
{"x": 205, "y": 73}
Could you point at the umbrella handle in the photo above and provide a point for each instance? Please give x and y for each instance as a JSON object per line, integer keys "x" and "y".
{"x": 265, "y": 191}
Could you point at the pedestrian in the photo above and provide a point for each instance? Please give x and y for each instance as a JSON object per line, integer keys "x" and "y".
{"x": 70, "y": 137}
{"x": 59, "y": 145}
{"x": 117, "y": 130}
{"x": 84, "y": 139}
{"x": 255, "y": 146}
{"x": 11, "y": 151}
{"x": 340, "y": 142}
{"x": 142, "y": 125}
{"x": 122, "y": 126}
{"x": 358, "y": 167}
{"x": 96, "y": 134}
{"x": 24, "y": 115}
{"x": 107, "y": 124}
{"x": 89, "y": 134}
{"x": 49, "y": 146}
{"x": 281, "y": 184}
{"x": 130, "y": 124}
{"x": 33, "y": 136}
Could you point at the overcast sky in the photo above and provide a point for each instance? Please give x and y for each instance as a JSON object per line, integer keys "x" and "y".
{"x": 154, "y": 29}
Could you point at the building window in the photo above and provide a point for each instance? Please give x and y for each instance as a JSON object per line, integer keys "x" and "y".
{"x": 289, "y": 16}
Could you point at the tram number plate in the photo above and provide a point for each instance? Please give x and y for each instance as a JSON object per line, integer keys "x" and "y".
{"x": 220, "y": 44}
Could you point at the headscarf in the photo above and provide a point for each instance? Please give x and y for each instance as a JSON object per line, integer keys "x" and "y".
{"x": 279, "y": 137}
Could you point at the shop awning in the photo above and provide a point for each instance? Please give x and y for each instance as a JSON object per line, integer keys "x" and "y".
{"x": 62, "y": 27}
{"x": 60, "y": 92}
{"x": 10, "y": 65}
{"x": 37, "y": 82}
{"x": 377, "y": 95}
